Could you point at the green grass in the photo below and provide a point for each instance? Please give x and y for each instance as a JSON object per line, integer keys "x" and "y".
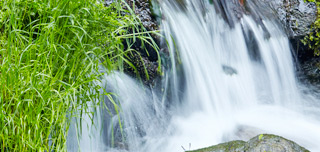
{"x": 50, "y": 51}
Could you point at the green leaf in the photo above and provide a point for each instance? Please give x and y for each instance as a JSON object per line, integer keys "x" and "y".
{"x": 261, "y": 136}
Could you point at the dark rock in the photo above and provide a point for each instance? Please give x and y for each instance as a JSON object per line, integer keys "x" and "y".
{"x": 229, "y": 70}
{"x": 223, "y": 7}
{"x": 121, "y": 145}
{"x": 260, "y": 143}
{"x": 146, "y": 57}
{"x": 302, "y": 52}
{"x": 143, "y": 68}
{"x": 309, "y": 72}
{"x": 143, "y": 10}
{"x": 252, "y": 45}
{"x": 145, "y": 49}
{"x": 296, "y": 15}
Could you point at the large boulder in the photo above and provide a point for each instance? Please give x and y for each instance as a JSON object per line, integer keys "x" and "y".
{"x": 260, "y": 143}
{"x": 296, "y": 15}
{"x": 296, "y": 18}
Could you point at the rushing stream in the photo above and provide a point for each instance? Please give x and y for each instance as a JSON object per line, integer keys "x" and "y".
{"x": 233, "y": 82}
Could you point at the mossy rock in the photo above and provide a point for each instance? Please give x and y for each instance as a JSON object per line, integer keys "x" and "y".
{"x": 260, "y": 143}
{"x": 234, "y": 146}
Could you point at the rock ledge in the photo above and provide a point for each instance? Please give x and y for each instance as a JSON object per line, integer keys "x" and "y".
{"x": 260, "y": 143}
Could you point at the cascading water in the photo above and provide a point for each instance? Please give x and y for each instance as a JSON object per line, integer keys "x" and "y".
{"x": 234, "y": 82}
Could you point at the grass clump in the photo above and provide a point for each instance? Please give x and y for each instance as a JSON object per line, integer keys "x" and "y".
{"x": 50, "y": 51}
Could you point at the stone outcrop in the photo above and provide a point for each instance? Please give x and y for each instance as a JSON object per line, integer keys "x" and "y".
{"x": 143, "y": 10}
{"x": 145, "y": 59}
{"x": 296, "y": 15}
{"x": 309, "y": 73}
{"x": 260, "y": 143}
{"x": 297, "y": 18}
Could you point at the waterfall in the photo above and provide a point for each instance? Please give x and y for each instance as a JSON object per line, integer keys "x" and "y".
{"x": 231, "y": 78}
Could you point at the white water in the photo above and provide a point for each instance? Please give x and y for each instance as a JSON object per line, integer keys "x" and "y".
{"x": 215, "y": 105}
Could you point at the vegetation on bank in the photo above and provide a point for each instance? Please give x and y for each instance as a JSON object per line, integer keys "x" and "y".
{"x": 50, "y": 52}
{"x": 313, "y": 39}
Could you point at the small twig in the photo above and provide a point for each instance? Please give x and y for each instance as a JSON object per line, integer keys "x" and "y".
{"x": 183, "y": 148}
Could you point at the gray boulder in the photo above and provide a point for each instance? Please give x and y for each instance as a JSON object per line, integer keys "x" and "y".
{"x": 260, "y": 143}
{"x": 296, "y": 18}
{"x": 296, "y": 15}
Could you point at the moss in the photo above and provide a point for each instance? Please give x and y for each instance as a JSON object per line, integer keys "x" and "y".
{"x": 236, "y": 146}
{"x": 313, "y": 39}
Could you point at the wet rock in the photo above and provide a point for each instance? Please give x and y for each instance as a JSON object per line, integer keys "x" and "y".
{"x": 252, "y": 45}
{"x": 145, "y": 59}
{"x": 302, "y": 52}
{"x": 296, "y": 15}
{"x": 232, "y": 11}
{"x": 309, "y": 72}
{"x": 275, "y": 143}
{"x": 237, "y": 8}
{"x": 233, "y": 146}
{"x": 229, "y": 70}
{"x": 121, "y": 145}
{"x": 143, "y": 10}
{"x": 296, "y": 18}
{"x": 260, "y": 143}
{"x": 143, "y": 68}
